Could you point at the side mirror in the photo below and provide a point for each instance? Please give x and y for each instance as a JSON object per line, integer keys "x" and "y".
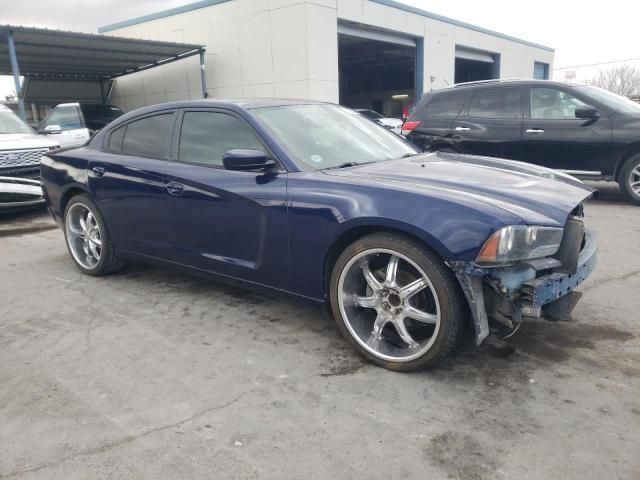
{"x": 245, "y": 159}
{"x": 52, "y": 129}
{"x": 587, "y": 112}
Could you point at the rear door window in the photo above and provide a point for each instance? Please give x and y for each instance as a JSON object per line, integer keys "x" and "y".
{"x": 149, "y": 136}
{"x": 446, "y": 104}
{"x": 496, "y": 103}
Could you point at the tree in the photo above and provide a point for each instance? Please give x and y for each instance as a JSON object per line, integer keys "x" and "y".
{"x": 624, "y": 80}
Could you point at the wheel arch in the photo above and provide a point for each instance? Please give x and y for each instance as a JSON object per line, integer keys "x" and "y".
{"x": 69, "y": 192}
{"x": 630, "y": 151}
{"x": 361, "y": 229}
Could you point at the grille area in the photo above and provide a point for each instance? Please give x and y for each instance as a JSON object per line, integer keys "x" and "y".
{"x": 21, "y": 158}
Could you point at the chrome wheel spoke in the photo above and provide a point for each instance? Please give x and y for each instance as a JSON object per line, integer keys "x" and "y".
{"x": 83, "y": 236}
{"x": 420, "y": 316}
{"x": 414, "y": 287}
{"x": 366, "y": 302}
{"x": 370, "y": 278}
{"x": 377, "y": 287}
{"x": 392, "y": 271}
{"x": 401, "y": 328}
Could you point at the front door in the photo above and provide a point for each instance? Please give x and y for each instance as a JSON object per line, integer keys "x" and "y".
{"x": 127, "y": 181}
{"x": 227, "y": 222}
{"x": 553, "y": 137}
{"x": 491, "y": 124}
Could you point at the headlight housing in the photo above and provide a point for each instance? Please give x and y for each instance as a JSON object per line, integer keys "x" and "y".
{"x": 519, "y": 242}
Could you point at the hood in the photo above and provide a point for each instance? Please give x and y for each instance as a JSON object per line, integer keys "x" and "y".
{"x": 537, "y": 195}
{"x": 25, "y": 141}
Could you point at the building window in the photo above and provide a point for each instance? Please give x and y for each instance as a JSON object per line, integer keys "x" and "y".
{"x": 541, "y": 71}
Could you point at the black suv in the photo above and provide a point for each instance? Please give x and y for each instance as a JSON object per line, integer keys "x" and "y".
{"x": 582, "y": 130}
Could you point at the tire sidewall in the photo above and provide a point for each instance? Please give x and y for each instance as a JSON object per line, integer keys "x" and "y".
{"x": 625, "y": 186}
{"x": 426, "y": 260}
{"x": 104, "y": 234}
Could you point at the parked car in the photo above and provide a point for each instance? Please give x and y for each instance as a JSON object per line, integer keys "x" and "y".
{"x": 393, "y": 124}
{"x": 20, "y": 147}
{"x": 582, "y": 130}
{"x": 72, "y": 124}
{"x": 314, "y": 200}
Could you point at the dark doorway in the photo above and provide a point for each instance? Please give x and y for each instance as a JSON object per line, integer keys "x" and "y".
{"x": 473, "y": 70}
{"x": 375, "y": 74}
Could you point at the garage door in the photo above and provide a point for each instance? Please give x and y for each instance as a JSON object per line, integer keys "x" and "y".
{"x": 473, "y": 65}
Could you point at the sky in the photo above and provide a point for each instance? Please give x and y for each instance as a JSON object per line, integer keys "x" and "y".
{"x": 582, "y": 32}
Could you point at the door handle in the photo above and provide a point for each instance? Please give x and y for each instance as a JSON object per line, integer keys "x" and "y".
{"x": 98, "y": 171}
{"x": 174, "y": 188}
{"x": 534, "y": 130}
{"x": 462, "y": 129}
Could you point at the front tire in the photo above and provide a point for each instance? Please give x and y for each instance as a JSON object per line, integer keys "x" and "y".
{"x": 630, "y": 179}
{"x": 88, "y": 239}
{"x": 397, "y": 302}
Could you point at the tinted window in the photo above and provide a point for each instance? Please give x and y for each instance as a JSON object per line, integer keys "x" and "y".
{"x": 67, "y": 118}
{"x": 116, "y": 138}
{"x": 551, "y": 103}
{"x": 99, "y": 112}
{"x": 206, "y": 136}
{"x": 496, "y": 103}
{"x": 149, "y": 137}
{"x": 446, "y": 104}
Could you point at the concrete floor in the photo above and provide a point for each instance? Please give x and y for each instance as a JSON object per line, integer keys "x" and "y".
{"x": 152, "y": 374}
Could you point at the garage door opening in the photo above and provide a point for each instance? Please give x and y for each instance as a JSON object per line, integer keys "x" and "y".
{"x": 474, "y": 65}
{"x": 377, "y": 71}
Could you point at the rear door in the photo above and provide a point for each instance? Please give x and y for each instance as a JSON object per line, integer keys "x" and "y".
{"x": 65, "y": 126}
{"x": 232, "y": 223}
{"x": 127, "y": 180}
{"x": 432, "y": 118}
{"x": 491, "y": 124}
{"x": 553, "y": 137}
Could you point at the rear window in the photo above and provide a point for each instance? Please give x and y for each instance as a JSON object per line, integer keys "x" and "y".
{"x": 446, "y": 104}
{"x": 496, "y": 103}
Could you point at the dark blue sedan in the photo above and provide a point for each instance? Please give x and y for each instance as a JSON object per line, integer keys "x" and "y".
{"x": 316, "y": 201}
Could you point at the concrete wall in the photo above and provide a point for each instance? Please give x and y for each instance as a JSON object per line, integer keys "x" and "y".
{"x": 288, "y": 48}
{"x": 255, "y": 48}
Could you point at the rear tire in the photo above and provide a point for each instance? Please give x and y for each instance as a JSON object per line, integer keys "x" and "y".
{"x": 386, "y": 324}
{"x": 630, "y": 179}
{"x": 88, "y": 240}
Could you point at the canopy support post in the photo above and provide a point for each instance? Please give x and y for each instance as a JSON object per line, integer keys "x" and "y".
{"x": 16, "y": 75}
{"x": 203, "y": 75}
{"x": 103, "y": 93}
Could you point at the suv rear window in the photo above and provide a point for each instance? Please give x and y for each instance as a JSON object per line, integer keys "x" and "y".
{"x": 446, "y": 104}
{"x": 496, "y": 103}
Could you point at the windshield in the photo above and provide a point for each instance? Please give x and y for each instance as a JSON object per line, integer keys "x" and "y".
{"x": 327, "y": 136}
{"x": 611, "y": 100}
{"x": 11, "y": 123}
{"x": 370, "y": 114}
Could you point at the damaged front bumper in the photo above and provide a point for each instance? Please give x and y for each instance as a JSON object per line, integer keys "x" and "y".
{"x": 535, "y": 288}
{"x": 19, "y": 194}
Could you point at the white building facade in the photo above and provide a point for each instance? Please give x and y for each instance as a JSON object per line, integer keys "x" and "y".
{"x": 363, "y": 53}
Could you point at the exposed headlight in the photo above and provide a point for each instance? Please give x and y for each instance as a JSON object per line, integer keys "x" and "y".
{"x": 519, "y": 242}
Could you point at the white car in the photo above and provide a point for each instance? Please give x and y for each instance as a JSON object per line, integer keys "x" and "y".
{"x": 72, "y": 124}
{"x": 393, "y": 124}
{"x": 20, "y": 147}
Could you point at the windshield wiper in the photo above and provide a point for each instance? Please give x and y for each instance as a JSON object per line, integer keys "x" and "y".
{"x": 407, "y": 155}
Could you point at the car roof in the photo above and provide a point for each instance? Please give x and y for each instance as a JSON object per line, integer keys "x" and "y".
{"x": 507, "y": 81}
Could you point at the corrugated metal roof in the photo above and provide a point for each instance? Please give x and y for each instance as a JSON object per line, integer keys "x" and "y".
{"x": 44, "y": 53}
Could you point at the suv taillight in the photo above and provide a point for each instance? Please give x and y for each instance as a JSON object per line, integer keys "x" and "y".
{"x": 409, "y": 126}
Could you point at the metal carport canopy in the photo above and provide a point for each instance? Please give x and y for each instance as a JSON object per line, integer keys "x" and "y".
{"x": 40, "y": 53}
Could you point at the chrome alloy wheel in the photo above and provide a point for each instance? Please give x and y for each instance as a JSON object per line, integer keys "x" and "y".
{"x": 83, "y": 236}
{"x": 389, "y": 305}
{"x": 634, "y": 180}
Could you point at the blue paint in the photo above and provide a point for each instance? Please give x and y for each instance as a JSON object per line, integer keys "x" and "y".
{"x": 279, "y": 229}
